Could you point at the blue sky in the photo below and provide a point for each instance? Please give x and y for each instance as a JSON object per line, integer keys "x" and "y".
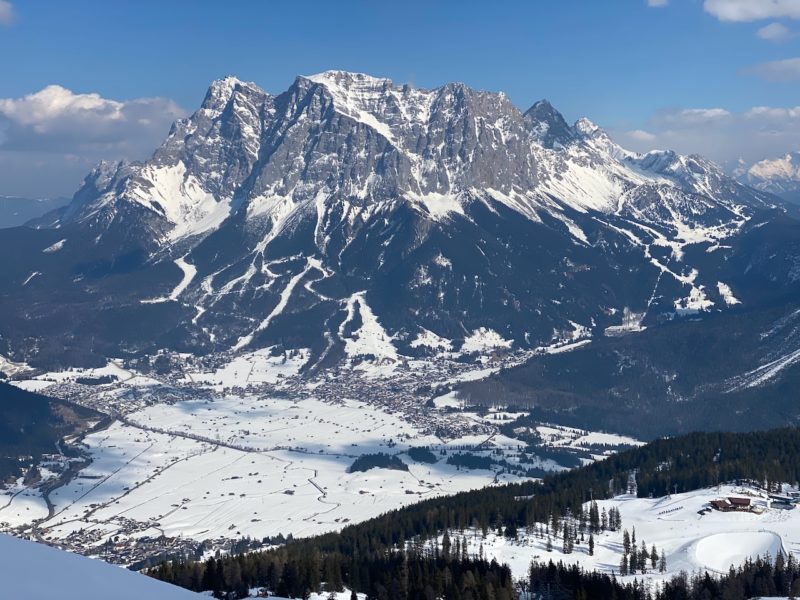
{"x": 631, "y": 67}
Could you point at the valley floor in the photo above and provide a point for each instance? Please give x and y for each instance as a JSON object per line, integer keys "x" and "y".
{"x": 246, "y": 448}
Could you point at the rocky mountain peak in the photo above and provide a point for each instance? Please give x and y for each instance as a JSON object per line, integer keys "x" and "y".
{"x": 221, "y": 90}
{"x": 548, "y": 125}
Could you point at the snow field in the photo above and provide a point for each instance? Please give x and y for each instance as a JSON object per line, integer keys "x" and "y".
{"x": 710, "y": 542}
{"x": 254, "y": 368}
{"x": 246, "y": 466}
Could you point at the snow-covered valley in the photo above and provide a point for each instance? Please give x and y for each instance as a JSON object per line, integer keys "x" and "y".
{"x": 246, "y": 446}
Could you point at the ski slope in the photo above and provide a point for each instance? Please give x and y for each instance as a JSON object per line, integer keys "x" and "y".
{"x": 691, "y": 542}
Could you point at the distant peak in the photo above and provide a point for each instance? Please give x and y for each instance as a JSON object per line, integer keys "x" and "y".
{"x": 543, "y": 111}
{"x": 543, "y": 105}
{"x": 220, "y": 91}
{"x": 548, "y": 124}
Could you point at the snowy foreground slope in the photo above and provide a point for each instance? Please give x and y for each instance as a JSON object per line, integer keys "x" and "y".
{"x": 31, "y": 571}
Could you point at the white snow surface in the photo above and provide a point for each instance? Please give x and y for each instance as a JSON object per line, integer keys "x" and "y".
{"x": 727, "y": 294}
{"x": 713, "y": 541}
{"x": 183, "y": 200}
{"x": 694, "y": 303}
{"x": 55, "y": 247}
{"x": 251, "y": 368}
{"x": 30, "y": 278}
{"x": 170, "y": 191}
{"x": 428, "y": 339}
{"x": 189, "y": 272}
{"x": 484, "y": 339}
{"x": 35, "y": 571}
{"x": 764, "y": 373}
{"x": 437, "y": 205}
{"x": 245, "y": 465}
{"x": 370, "y": 339}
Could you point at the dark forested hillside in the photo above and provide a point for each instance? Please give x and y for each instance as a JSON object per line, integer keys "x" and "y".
{"x": 376, "y": 557}
{"x": 31, "y": 425}
{"x": 663, "y": 381}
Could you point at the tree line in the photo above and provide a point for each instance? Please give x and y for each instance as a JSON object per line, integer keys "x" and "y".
{"x": 376, "y": 556}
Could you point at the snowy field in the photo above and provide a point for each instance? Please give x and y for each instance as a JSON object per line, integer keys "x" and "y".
{"x": 691, "y": 542}
{"x": 237, "y": 467}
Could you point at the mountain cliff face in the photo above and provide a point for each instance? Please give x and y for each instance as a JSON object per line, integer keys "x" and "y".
{"x": 370, "y": 221}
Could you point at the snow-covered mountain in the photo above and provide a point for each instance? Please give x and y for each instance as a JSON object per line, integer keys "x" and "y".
{"x": 369, "y": 221}
{"x": 344, "y": 143}
{"x": 779, "y": 176}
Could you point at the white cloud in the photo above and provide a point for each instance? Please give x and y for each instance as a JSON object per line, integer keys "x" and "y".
{"x": 695, "y": 115}
{"x": 773, "y": 113}
{"x": 56, "y": 119}
{"x": 657, "y": 3}
{"x": 61, "y": 133}
{"x": 787, "y": 69}
{"x": 719, "y": 134}
{"x": 6, "y": 12}
{"x": 774, "y": 32}
{"x": 641, "y": 135}
{"x": 752, "y": 10}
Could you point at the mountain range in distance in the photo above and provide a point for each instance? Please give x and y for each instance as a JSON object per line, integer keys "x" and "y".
{"x": 780, "y": 176}
{"x": 15, "y": 211}
{"x": 367, "y": 224}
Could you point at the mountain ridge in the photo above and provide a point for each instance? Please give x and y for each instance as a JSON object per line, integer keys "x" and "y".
{"x": 371, "y": 223}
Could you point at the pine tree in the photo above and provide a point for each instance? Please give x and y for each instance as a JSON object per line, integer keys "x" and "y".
{"x": 594, "y": 517}
{"x": 643, "y": 556}
{"x": 446, "y": 545}
{"x": 653, "y": 557}
{"x": 626, "y": 542}
{"x": 662, "y": 563}
{"x": 591, "y": 545}
{"x": 623, "y": 565}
